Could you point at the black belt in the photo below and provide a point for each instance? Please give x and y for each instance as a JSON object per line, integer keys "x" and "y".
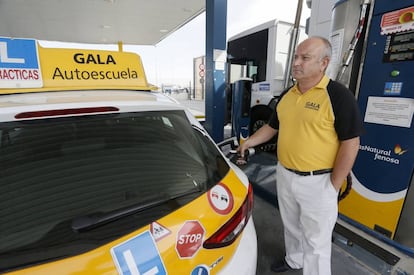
{"x": 310, "y": 173}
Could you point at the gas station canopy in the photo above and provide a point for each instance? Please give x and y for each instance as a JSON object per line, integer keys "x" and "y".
{"x": 135, "y": 22}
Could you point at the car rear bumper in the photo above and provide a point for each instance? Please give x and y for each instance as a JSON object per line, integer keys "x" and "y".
{"x": 244, "y": 261}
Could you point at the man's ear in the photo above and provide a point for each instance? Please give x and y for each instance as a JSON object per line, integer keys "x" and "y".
{"x": 325, "y": 63}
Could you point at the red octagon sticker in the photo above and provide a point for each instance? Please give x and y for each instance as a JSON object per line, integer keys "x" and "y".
{"x": 189, "y": 239}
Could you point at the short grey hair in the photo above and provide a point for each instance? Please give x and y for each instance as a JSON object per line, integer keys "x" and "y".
{"x": 327, "y": 51}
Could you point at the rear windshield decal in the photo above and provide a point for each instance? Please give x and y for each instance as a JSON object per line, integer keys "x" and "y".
{"x": 138, "y": 256}
{"x": 158, "y": 231}
{"x": 221, "y": 199}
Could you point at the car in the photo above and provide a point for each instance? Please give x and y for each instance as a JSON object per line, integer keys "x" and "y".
{"x": 96, "y": 179}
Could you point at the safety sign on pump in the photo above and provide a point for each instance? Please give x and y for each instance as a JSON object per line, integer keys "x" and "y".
{"x": 19, "y": 63}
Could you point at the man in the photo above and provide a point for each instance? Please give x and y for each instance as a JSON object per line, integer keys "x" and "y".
{"x": 318, "y": 125}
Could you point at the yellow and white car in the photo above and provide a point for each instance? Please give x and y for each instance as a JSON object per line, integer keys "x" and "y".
{"x": 100, "y": 175}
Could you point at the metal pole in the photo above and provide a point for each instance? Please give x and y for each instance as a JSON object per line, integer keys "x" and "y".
{"x": 293, "y": 42}
{"x": 216, "y": 16}
{"x": 349, "y": 54}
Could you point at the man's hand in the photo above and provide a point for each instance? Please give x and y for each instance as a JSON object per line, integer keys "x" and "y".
{"x": 242, "y": 159}
{"x": 243, "y": 148}
{"x": 262, "y": 135}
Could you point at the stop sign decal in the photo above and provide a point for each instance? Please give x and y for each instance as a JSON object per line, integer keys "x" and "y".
{"x": 189, "y": 239}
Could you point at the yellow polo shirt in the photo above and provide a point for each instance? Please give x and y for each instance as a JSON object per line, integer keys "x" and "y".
{"x": 311, "y": 125}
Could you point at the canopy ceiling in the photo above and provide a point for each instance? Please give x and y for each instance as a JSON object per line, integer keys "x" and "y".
{"x": 136, "y": 22}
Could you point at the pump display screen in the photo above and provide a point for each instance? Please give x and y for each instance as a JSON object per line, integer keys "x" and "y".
{"x": 399, "y": 47}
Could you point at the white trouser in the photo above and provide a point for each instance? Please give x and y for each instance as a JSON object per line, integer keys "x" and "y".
{"x": 308, "y": 206}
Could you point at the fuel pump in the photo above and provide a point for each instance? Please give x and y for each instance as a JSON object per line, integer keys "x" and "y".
{"x": 240, "y": 109}
{"x": 382, "y": 195}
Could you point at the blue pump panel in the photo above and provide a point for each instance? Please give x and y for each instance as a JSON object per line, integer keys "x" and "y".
{"x": 384, "y": 167}
{"x": 241, "y": 97}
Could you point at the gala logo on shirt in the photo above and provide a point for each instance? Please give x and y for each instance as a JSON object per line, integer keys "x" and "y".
{"x": 312, "y": 105}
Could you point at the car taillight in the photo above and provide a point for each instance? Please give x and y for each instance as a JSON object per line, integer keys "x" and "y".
{"x": 229, "y": 232}
{"x": 65, "y": 112}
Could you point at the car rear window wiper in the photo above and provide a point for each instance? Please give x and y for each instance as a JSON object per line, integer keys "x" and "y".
{"x": 87, "y": 222}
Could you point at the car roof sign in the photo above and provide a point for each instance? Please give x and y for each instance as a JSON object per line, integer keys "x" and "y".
{"x": 19, "y": 63}
{"x": 25, "y": 66}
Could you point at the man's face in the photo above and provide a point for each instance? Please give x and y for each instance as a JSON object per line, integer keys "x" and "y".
{"x": 308, "y": 63}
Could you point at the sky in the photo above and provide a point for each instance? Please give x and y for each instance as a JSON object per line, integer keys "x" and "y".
{"x": 170, "y": 62}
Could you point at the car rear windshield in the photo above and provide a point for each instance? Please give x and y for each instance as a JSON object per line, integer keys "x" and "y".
{"x": 68, "y": 185}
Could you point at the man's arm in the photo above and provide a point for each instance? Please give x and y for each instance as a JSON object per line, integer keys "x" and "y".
{"x": 344, "y": 161}
{"x": 262, "y": 135}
